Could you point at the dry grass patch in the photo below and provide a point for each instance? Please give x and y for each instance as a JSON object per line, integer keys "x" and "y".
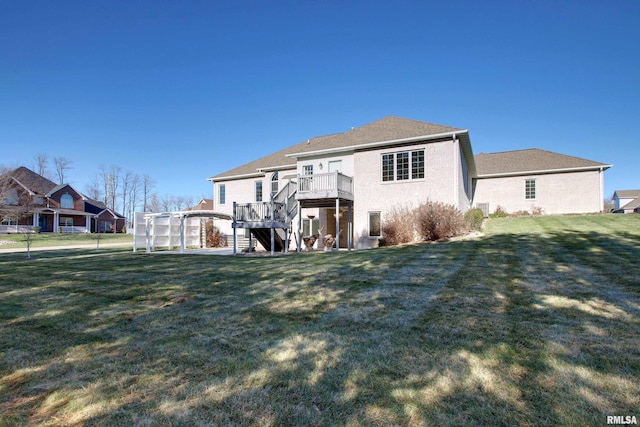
{"x": 536, "y": 323}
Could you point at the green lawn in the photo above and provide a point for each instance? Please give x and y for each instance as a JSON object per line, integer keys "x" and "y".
{"x": 536, "y": 323}
{"x": 61, "y": 239}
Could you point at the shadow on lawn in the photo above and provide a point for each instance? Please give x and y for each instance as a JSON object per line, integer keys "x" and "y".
{"x": 507, "y": 329}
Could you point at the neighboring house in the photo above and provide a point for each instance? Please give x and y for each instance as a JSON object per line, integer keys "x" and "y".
{"x": 203, "y": 205}
{"x": 31, "y": 200}
{"x": 364, "y": 173}
{"x": 626, "y": 201}
{"x": 541, "y": 181}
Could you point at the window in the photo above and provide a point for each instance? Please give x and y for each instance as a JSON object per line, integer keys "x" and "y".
{"x": 9, "y": 221}
{"x": 375, "y": 227}
{"x": 274, "y": 184}
{"x": 11, "y": 197}
{"x": 258, "y": 191}
{"x": 530, "y": 189}
{"x": 66, "y": 221}
{"x": 310, "y": 226}
{"x": 403, "y": 166}
{"x": 417, "y": 164}
{"x": 66, "y": 201}
{"x": 387, "y": 167}
{"x": 222, "y": 194}
{"x": 307, "y": 170}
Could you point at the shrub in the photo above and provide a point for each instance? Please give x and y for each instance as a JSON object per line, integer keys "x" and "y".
{"x": 437, "y": 221}
{"x": 215, "y": 239}
{"x": 398, "y": 227}
{"x": 499, "y": 213}
{"x": 473, "y": 219}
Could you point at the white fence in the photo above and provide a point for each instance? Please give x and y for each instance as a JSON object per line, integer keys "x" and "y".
{"x": 153, "y": 231}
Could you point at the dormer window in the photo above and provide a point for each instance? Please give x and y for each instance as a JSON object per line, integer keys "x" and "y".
{"x": 66, "y": 201}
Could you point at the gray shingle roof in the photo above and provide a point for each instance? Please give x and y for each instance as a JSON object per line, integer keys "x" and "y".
{"x": 530, "y": 160}
{"x": 627, "y": 194}
{"x": 387, "y": 129}
{"x": 34, "y": 182}
{"x": 635, "y": 203}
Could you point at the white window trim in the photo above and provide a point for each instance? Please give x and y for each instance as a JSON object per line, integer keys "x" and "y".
{"x": 395, "y": 179}
{"x": 369, "y": 224}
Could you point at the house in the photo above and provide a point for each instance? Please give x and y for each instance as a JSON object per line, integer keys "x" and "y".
{"x": 537, "y": 180}
{"x": 203, "y": 205}
{"x": 346, "y": 182}
{"x": 31, "y": 200}
{"x": 626, "y": 201}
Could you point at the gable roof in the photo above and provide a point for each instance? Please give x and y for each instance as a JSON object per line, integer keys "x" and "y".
{"x": 530, "y": 161}
{"x": 627, "y": 194}
{"x": 60, "y": 187}
{"x": 203, "y": 204}
{"x": 388, "y": 129}
{"x": 385, "y": 130}
{"x": 30, "y": 180}
{"x": 634, "y": 204}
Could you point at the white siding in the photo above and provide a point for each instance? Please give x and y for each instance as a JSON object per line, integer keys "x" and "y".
{"x": 372, "y": 194}
{"x": 559, "y": 193}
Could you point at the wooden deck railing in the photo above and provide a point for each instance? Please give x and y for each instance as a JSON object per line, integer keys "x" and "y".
{"x": 259, "y": 211}
{"x": 325, "y": 182}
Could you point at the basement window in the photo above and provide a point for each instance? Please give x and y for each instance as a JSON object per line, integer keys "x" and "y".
{"x": 375, "y": 226}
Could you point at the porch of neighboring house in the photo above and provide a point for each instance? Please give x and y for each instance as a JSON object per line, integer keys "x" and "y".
{"x": 51, "y": 220}
{"x": 271, "y": 223}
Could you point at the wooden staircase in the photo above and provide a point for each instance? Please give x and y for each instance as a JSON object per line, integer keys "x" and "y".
{"x": 263, "y": 217}
{"x": 263, "y": 235}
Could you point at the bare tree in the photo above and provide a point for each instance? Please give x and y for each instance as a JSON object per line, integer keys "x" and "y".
{"x": 42, "y": 165}
{"x": 111, "y": 181}
{"x": 154, "y": 203}
{"x": 16, "y": 204}
{"x": 147, "y": 185}
{"x": 134, "y": 190}
{"x": 62, "y": 165}
{"x": 94, "y": 188}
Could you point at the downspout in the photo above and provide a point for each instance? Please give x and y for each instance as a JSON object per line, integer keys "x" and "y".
{"x": 601, "y": 189}
{"x": 456, "y": 164}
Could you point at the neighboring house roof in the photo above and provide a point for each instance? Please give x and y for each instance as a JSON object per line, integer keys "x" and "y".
{"x": 60, "y": 187}
{"x": 204, "y": 204}
{"x": 627, "y": 194}
{"x": 634, "y": 204}
{"x": 31, "y": 180}
{"x": 111, "y": 212}
{"x": 530, "y": 161}
{"x": 387, "y": 130}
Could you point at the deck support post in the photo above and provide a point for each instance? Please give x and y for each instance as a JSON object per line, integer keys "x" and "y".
{"x": 299, "y": 228}
{"x": 235, "y": 231}
{"x": 337, "y": 224}
{"x": 350, "y": 226}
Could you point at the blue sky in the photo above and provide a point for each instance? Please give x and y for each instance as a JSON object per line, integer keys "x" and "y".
{"x": 183, "y": 90}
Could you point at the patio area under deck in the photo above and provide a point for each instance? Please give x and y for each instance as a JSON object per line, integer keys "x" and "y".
{"x": 327, "y": 190}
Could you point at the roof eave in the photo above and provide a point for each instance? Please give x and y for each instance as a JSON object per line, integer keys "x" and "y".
{"x": 544, "y": 171}
{"x": 276, "y": 168}
{"x": 232, "y": 177}
{"x": 377, "y": 144}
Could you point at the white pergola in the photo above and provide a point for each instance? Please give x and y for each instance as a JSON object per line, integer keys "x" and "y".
{"x": 171, "y": 229}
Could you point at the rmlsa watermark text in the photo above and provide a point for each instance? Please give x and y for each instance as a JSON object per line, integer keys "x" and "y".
{"x": 622, "y": 419}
